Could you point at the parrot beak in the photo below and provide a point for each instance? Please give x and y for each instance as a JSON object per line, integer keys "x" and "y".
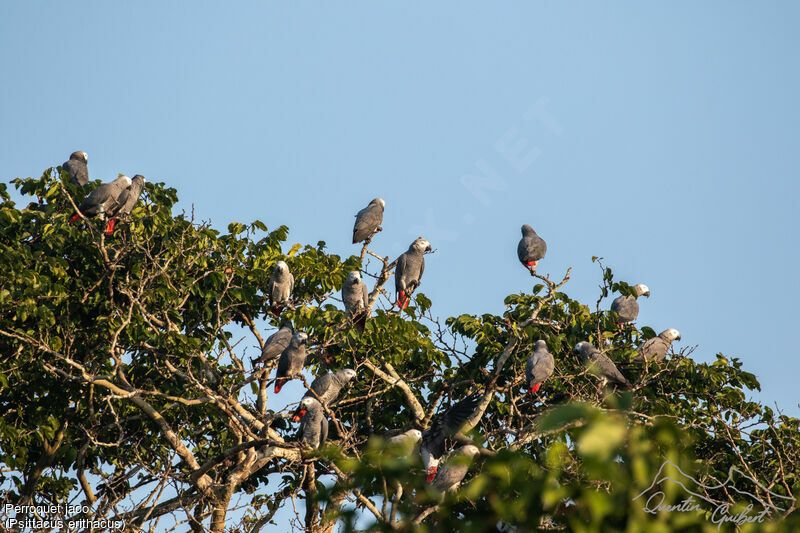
{"x": 678, "y": 338}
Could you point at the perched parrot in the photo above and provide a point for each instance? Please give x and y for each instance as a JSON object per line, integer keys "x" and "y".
{"x": 77, "y": 169}
{"x": 409, "y": 269}
{"x": 368, "y": 220}
{"x": 539, "y": 367}
{"x": 531, "y": 248}
{"x": 292, "y": 360}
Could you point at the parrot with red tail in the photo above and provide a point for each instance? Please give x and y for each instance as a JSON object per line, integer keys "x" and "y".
{"x": 531, "y": 249}
{"x": 103, "y": 199}
{"x": 539, "y": 367}
{"x": 409, "y": 269}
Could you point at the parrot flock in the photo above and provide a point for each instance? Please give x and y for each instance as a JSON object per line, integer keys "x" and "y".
{"x": 445, "y": 466}
{"x": 116, "y": 199}
{"x": 110, "y": 201}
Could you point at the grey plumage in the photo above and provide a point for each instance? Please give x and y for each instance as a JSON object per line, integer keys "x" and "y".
{"x": 281, "y": 285}
{"x": 627, "y": 307}
{"x": 450, "y": 476}
{"x": 292, "y": 360}
{"x": 409, "y": 269}
{"x": 328, "y": 386}
{"x": 356, "y": 299}
{"x": 600, "y": 363}
{"x": 276, "y": 343}
{"x": 128, "y": 198}
{"x": 76, "y": 168}
{"x": 531, "y": 248}
{"x": 656, "y": 349}
{"x": 355, "y": 294}
{"x": 539, "y": 367}
{"x": 368, "y": 220}
{"x": 443, "y": 426}
{"x": 408, "y": 439}
{"x": 103, "y": 199}
{"x": 314, "y": 425}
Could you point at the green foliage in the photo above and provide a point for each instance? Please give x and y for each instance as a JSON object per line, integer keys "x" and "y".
{"x": 122, "y": 361}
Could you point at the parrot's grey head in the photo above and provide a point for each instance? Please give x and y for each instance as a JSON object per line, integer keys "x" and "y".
{"x": 540, "y": 345}
{"x": 80, "y": 155}
{"x": 671, "y": 334}
{"x": 379, "y": 201}
{"x": 348, "y": 374}
{"x": 307, "y": 403}
{"x": 125, "y": 179}
{"x": 642, "y": 290}
{"x": 422, "y": 245}
{"x": 299, "y": 338}
{"x": 415, "y": 434}
{"x": 527, "y": 230}
{"x": 354, "y": 277}
{"x": 470, "y": 450}
{"x": 287, "y": 324}
{"x": 582, "y": 348}
{"x": 140, "y": 178}
{"x": 281, "y": 266}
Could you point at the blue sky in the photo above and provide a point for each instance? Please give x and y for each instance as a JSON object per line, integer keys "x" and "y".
{"x": 662, "y": 137}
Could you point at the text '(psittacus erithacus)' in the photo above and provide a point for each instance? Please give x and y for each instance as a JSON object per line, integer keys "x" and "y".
{"x": 656, "y": 349}
{"x": 292, "y": 360}
{"x": 450, "y": 476}
{"x": 314, "y": 424}
{"x": 626, "y": 307}
{"x": 599, "y": 363}
{"x": 368, "y": 220}
{"x": 281, "y": 285}
{"x": 126, "y": 202}
{"x": 409, "y": 269}
{"x": 443, "y": 426}
{"x": 539, "y": 367}
{"x": 103, "y": 199}
{"x": 77, "y": 169}
{"x": 531, "y": 248}
{"x": 276, "y": 343}
{"x": 327, "y": 388}
{"x": 356, "y": 299}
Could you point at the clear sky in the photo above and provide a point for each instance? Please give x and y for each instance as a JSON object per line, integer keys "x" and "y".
{"x": 660, "y": 136}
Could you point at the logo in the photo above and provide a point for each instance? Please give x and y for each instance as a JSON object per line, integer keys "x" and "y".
{"x": 716, "y": 499}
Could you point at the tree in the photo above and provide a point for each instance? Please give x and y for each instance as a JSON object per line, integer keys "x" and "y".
{"x": 125, "y": 387}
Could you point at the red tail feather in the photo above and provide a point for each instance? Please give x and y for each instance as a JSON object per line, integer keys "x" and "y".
{"x": 535, "y": 388}
{"x": 431, "y": 474}
{"x": 110, "y": 226}
{"x": 74, "y": 217}
{"x": 279, "y": 383}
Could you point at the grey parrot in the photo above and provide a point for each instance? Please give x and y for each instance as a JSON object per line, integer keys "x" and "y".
{"x": 103, "y": 199}
{"x": 443, "y": 426}
{"x": 76, "y": 168}
{"x": 452, "y": 473}
{"x": 599, "y": 362}
{"x": 292, "y": 360}
{"x": 368, "y": 220}
{"x": 531, "y": 248}
{"x": 539, "y": 367}
{"x": 314, "y": 425}
{"x": 281, "y": 285}
{"x": 327, "y": 387}
{"x": 656, "y": 349}
{"x": 626, "y": 307}
{"x": 276, "y": 343}
{"x": 126, "y": 202}
{"x": 356, "y": 299}
{"x": 407, "y": 440}
{"x": 409, "y": 269}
